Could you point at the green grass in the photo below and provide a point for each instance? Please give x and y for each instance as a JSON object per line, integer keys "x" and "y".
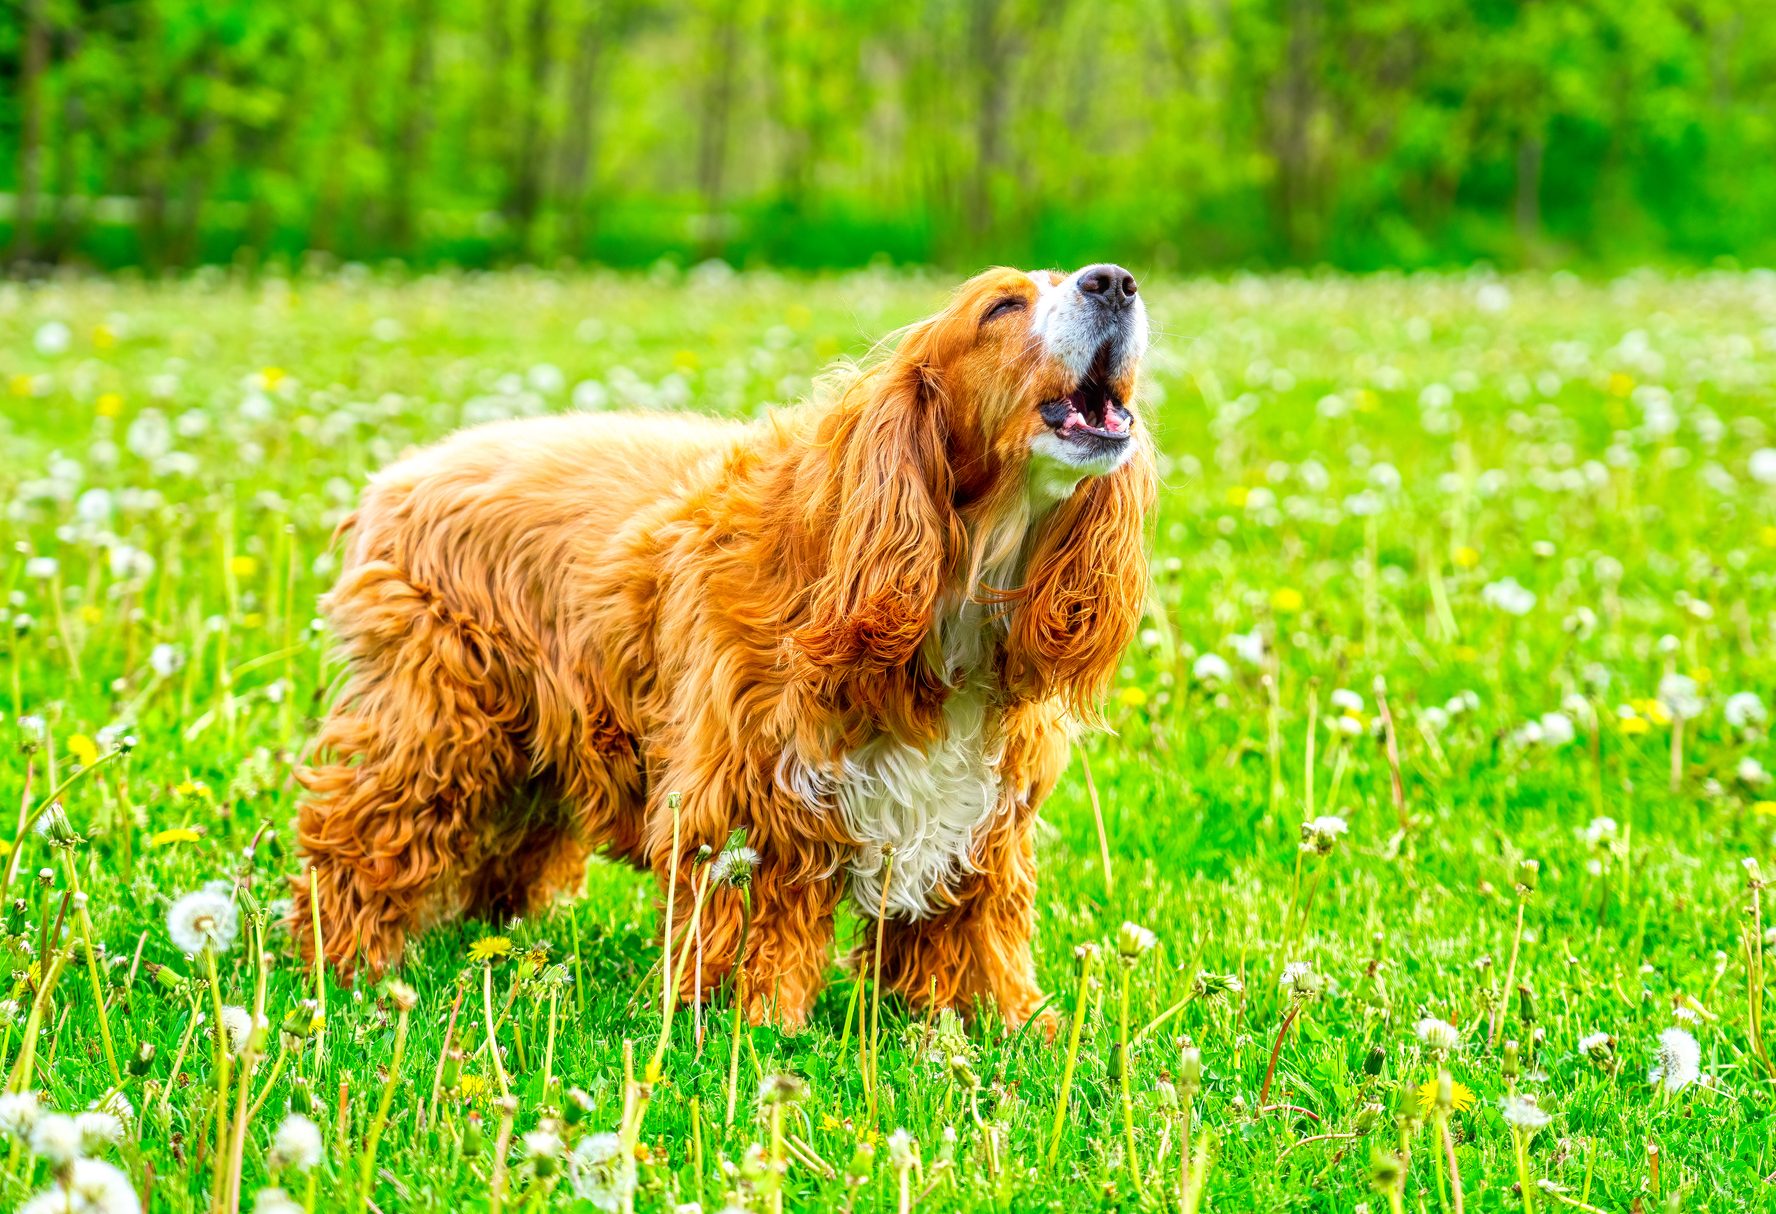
{"x": 1349, "y": 465}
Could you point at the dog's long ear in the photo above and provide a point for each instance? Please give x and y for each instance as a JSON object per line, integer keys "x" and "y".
{"x": 893, "y": 530}
{"x": 1085, "y": 589}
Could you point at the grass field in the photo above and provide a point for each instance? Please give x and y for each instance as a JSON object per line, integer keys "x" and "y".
{"x": 1543, "y": 511}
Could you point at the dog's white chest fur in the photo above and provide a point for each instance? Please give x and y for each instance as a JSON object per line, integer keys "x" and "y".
{"x": 927, "y": 804}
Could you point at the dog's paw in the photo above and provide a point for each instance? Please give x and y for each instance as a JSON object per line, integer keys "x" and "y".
{"x": 788, "y": 1019}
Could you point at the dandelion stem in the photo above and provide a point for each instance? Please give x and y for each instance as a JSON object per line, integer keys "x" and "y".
{"x": 502, "y": 1149}
{"x": 667, "y": 990}
{"x": 367, "y": 1165}
{"x": 739, "y": 973}
{"x": 92, "y": 965}
{"x": 499, "y": 1068}
{"x": 1127, "y": 1062}
{"x": 1086, "y": 958}
{"x": 224, "y": 1063}
{"x": 29, "y": 821}
{"x": 1091, "y": 792}
{"x": 1522, "y": 1143}
{"x": 1498, "y": 1006}
{"x": 875, "y": 1033}
{"x": 320, "y": 964}
{"x": 1275, "y": 1050}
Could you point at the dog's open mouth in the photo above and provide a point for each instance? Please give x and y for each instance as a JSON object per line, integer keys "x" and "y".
{"x": 1091, "y": 411}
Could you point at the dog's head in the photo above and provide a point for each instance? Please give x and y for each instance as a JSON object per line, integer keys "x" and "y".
{"x": 1037, "y": 373}
{"x": 1002, "y": 434}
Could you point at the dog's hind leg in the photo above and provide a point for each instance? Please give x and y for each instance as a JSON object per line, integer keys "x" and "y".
{"x": 533, "y": 854}
{"x": 419, "y": 753}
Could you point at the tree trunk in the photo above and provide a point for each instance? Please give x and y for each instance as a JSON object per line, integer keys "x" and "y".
{"x": 33, "y": 63}
{"x": 989, "y": 52}
{"x": 715, "y": 120}
{"x": 579, "y": 139}
{"x": 411, "y": 136}
{"x": 1528, "y": 210}
{"x": 527, "y": 165}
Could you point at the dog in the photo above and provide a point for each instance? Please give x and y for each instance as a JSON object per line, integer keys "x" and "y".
{"x": 861, "y": 629}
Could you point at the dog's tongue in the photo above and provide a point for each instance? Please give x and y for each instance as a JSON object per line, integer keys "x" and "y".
{"x": 1114, "y": 421}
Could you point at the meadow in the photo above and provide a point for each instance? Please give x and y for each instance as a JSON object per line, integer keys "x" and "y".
{"x": 1419, "y": 869}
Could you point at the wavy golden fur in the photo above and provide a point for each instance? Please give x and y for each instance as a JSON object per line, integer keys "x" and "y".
{"x": 551, "y": 624}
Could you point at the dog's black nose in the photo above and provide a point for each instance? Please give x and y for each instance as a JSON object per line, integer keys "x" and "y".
{"x": 1112, "y": 286}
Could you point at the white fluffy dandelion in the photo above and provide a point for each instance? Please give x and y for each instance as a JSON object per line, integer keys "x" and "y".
{"x": 734, "y": 866}
{"x": 1211, "y": 668}
{"x": 1677, "y": 1062}
{"x": 1509, "y": 596}
{"x": 92, "y": 1186}
{"x": 56, "y": 1139}
{"x": 1437, "y": 1033}
{"x": 1596, "y": 1045}
{"x": 1132, "y": 940}
{"x": 97, "y": 1131}
{"x": 601, "y": 1172}
{"x": 275, "y": 1201}
{"x": 1681, "y": 696}
{"x": 1745, "y": 710}
{"x": 1523, "y": 1113}
{"x": 1557, "y": 729}
{"x": 237, "y": 1026}
{"x": 297, "y": 1144}
{"x": 166, "y": 660}
{"x": 19, "y": 1111}
{"x": 903, "y": 1149}
{"x": 203, "y": 919}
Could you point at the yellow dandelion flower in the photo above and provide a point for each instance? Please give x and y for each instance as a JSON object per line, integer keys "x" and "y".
{"x": 1287, "y": 600}
{"x": 103, "y": 337}
{"x": 252, "y": 619}
{"x": 1466, "y": 653}
{"x": 1237, "y": 495}
{"x": 84, "y": 749}
{"x": 271, "y": 377}
{"x": 1466, "y": 557}
{"x": 243, "y": 566}
{"x": 1620, "y": 385}
{"x": 172, "y": 835}
{"x": 1653, "y": 710}
{"x": 1461, "y": 1096}
{"x": 5, "y": 848}
{"x": 1133, "y": 697}
{"x": 685, "y": 360}
{"x": 1766, "y": 808}
{"x": 799, "y": 316}
{"x": 20, "y": 384}
{"x": 193, "y": 788}
{"x": 1767, "y": 537}
{"x": 830, "y": 1124}
{"x": 471, "y": 1086}
{"x": 109, "y": 404}
{"x": 91, "y": 613}
{"x": 489, "y": 947}
{"x": 1633, "y": 726}
{"x": 1702, "y": 674}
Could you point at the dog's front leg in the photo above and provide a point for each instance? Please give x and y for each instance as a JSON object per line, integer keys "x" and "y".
{"x": 784, "y": 911}
{"x": 977, "y": 951}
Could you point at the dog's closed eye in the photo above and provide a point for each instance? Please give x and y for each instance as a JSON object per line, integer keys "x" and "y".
{"x": 1009, "y": 304}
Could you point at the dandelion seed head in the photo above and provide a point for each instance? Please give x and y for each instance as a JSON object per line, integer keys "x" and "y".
{"x": 1677, "y": 1061}
{"x": 205, "y": 918}
{"x": 297, "y": 1144}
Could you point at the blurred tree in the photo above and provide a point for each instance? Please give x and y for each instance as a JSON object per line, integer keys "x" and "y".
{"x": 810, "y": 132}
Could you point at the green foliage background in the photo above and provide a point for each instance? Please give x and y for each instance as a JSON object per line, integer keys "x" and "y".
{"x": 1166, "y": 133}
